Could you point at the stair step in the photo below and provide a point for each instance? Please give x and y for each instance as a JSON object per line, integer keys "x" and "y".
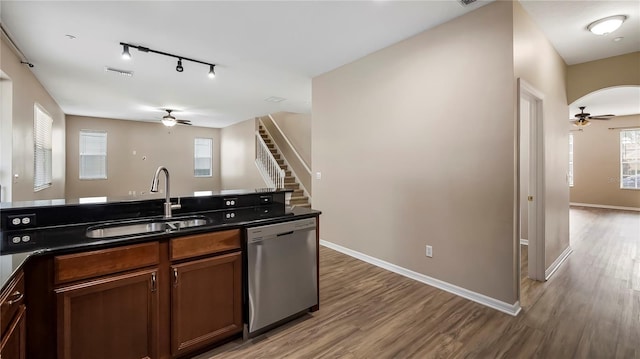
{"x": 287, "y": 173}
{"x": 292, "y": 185}
{"x": 271, "y": 146}
{"x": 297, "y": 193}
{"x": 289, "y": 179}
{"x": 280, "y": 161}
{"x": 284, "y": 167}
{"x": 305, "y": 205}
{"x": 299, "y": 200}
{"x": 276, "y": 156}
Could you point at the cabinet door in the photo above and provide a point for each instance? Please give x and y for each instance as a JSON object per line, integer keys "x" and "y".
{"x": 13, "y": 343}
{"x": 113, "y": 317}
{"x": 206, "y": 302}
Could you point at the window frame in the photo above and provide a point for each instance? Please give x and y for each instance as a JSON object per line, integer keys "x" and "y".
{"x": 196, "y": 157}
{"x": 636, "y": 162}
{"x": 80, "y": 155}
{"x": 44, "y": 180}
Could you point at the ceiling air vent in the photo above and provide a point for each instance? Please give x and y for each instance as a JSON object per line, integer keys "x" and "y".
{"x": 119, "y": 72}
{"x": 466, "y": 2}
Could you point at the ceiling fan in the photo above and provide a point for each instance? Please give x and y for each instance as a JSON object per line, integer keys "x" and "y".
{"x": 170, "y": 121}
{"x": 582, "y": 118}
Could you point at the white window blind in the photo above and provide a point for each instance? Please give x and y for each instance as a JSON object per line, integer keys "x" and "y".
{"x": 42, "y": 154}
{"x": 93, "y": 154}
{"x": 202, "y": 154}
{"x": 630, "y": 159}
{"x": 571, "y": 160}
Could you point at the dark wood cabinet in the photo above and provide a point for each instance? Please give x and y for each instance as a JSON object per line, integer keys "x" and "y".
{"x": 109, "y": 317}
{"x": 13, "y": 341}
{"x": 13, "y": 320}
{"x": 206, "y": 302}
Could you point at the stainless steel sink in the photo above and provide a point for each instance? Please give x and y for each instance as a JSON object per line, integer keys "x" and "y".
{"x": 186, "y": 223}
{"x": 130, "y": 228}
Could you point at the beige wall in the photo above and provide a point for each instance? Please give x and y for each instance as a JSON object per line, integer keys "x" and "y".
{"x": 237, "y": 157}
{"x": 154, "y": 145}
{"x": 416, "y": 146}
{"x": 588, "y": 77}
{"x": 596, "y": 164}
{"x": 537, "y": 62}
{"x": 27, "y": 90}
{"x": 297, "y": 128}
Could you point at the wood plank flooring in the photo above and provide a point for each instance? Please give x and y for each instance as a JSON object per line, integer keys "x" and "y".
{"x": 590, "y": 308}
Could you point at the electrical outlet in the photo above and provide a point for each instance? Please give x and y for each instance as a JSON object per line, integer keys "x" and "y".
{"x": 429, "y": 252}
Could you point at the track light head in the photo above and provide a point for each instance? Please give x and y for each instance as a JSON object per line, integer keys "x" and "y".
{"x": 126, "y": 55}
{"x": 179, "y": 68}
{"x": 212, "y": 73}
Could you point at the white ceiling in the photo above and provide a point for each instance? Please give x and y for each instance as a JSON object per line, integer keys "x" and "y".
{"x": 261, "y": 48}
{"x": 619, "y": 101}
{"x": 565, "y": 25}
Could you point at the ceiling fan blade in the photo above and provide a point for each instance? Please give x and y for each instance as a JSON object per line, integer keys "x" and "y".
{"x": 184, "y": 122}
{"x": 602, "y": 117}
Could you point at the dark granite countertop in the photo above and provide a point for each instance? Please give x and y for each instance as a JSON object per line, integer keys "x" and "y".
{"x": 129, "y": 199}
{"x": 72, "y": 237}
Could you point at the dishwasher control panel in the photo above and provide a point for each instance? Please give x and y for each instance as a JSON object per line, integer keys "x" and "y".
{"x": 257, "y": 234}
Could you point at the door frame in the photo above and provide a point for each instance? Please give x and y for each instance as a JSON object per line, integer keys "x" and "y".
{"x": 536, "y": 220}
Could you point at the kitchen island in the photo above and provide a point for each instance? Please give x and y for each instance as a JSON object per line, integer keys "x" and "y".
{"x": 176, "y": 290}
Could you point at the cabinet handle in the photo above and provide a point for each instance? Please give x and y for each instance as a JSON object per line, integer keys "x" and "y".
{"x": 16, "y": 297}
{"x": 175, "y": 276}
{"x": 153, "y": 282}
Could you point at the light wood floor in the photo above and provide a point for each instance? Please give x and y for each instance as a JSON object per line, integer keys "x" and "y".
{"x": 590, "y": 308}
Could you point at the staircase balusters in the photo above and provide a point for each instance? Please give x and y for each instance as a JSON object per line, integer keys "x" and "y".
{"x": 267, "y": 163}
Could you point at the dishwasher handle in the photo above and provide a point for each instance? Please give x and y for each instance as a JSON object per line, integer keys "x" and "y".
{"x": 261, "y": 239}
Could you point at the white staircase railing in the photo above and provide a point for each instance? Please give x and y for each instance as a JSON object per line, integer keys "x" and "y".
{"x": 267, "y": 164}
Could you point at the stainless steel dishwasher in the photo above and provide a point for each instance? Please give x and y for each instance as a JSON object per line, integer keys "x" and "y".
{"x": 282, "y": 275}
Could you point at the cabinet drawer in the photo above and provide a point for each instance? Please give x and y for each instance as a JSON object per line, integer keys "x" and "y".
{"x": 10, "y": 301}
{"x": 202, "y": 244}
{"x": 84, "y": 265}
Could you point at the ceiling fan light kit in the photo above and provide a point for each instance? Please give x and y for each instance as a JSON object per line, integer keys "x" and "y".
{"x": 170, "y": 121}
{"x": 127, "y": 55}
{"x": 607, "y": 25}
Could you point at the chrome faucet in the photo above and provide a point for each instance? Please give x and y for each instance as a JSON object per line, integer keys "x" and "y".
{"x": 168, "y": 206}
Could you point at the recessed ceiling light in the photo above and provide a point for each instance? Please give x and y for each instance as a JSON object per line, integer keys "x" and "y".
{"x": 70, "y": 37}
{"x": 274, "y": 99}
{"x": 606, "y": 25}
{"x": 618, "y": 39}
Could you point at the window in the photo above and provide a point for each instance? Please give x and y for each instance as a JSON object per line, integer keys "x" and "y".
{"x": 93, "y": 155}
{"x": 630, "y": 159}
{"x": 571, "y": 160}
{"x": 42, "y": 154}
{"x": 202, "y": 157}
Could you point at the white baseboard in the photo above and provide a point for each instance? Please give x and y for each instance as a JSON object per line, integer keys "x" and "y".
{"x": 524, "y": 241}
{"x": 604, "y": 206}
{"x": 557, "y": 263}
{"x": 511, "y": 309}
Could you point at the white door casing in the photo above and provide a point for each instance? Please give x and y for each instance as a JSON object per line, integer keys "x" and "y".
{"x": 530, "y": 114}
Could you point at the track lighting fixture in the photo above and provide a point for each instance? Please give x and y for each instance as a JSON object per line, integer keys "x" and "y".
{"x": 127, "y": 55}
{"x": 125, "y": 52}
